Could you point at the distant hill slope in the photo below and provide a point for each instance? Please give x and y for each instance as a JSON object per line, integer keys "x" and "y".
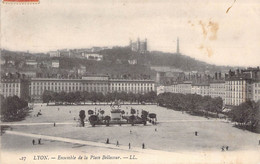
{"x": 183, "y": 62}
{"x": 157, "y": 58}
{"x": 116, "y": 62}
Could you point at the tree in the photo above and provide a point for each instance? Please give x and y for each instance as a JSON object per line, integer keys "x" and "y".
{"x": 85, "y": 96}
{"x": 46, "y": 97}
{"x": 144, "y": 116}
{"x": 90, "y": 112}
{"x": 77, "y": 96}
{"x": 217, "y": 104}
{"x": 93, "y": 97}
{"x": 107, "y": 119}
{"x": 247, "y": 115}
{"x": 13, "y": 108}
{"x": 93, "y": 119}
{"x": 131, "y": 97}
{"x": 62, "y": 96}
{"x": 100, "y": 97}
{"x": 150, "y": 96}
{"x": 122, "y": 112}
{"x": 133, "y": 111}
{"x": 123, "y": 96}
{"x": 132, "y": 119}
{"x": 82, "y": 116}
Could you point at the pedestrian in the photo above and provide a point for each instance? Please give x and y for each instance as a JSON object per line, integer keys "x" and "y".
{"x": 54, "y": 124}
{"x": 39, "y": 141}
{"x": 143, "y": 145}
{"x": 74, "y": 118}
{"x": 223, "y": 148}
{"x": 155, "y": 129}
{"x": 226, "y": 148}
{"x": 129, "y": 145}
{"x": 33, "y": 141}
{"x": 130, "y": 131}
{"x": 196, "y": 133}
{"x": 107, "y": 141}
{"x": 117, "y": 143}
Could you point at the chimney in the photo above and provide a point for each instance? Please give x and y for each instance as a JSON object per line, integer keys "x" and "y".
{"x": 216, "y": 75}
{"x": 237, "y": 72}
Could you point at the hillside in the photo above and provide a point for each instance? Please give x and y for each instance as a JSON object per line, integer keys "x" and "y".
{"x": 157, "y": 58}
{"x": 116, "y": 62}
{"x": 184, "y": 62}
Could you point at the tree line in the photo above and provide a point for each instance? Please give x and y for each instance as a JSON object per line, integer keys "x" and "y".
{"x": 191, "y": 103}
{"x": 247, "y": 115}
{"x": 13, "y": 108}
{"x": 84, "y": 96}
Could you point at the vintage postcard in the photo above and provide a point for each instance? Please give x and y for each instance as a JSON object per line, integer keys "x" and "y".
{"x": 130, "y": 81}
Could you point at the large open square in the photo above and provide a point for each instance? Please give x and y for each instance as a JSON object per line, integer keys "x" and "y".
{"x": 174, "y": 133}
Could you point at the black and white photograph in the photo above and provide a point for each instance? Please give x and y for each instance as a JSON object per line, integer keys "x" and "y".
{"x": 130, "y": 81}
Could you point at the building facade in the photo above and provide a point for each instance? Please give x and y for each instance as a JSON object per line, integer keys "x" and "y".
{"x": 217, "y": 89}
{"x": 134, "y": 86}
{"x": 96, "y": 57}
{"x": 256, "y": 90}
{"x": 55, "y": 63}
{"x": 160, "y": 89}
{"x": 90, "y": 84}
{"x": 237, "y": 91}
{"x": 183, "y": 87}
{"x": 15, "y": 87}
{"x": 54, "y": 53}
{"x": 200, "y": 89}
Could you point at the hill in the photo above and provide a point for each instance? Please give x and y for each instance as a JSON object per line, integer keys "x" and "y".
{"x": 116, "y": 62}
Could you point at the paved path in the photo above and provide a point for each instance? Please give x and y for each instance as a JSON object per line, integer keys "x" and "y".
{"x": 75, "y": 123}
{"x": 90, "y": 143}
{"x": 190, "y": 121}
{"x": 38, "y": 123}
{"x": 155, "y": 156}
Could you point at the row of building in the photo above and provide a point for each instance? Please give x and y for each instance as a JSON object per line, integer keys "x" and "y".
{"x": 78, "y": 53}
{"x": 236, "y": 88}
{"x": 35, "y": 87}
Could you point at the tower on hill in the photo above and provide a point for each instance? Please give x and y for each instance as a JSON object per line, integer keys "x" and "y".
{"x": 139, "y": 46}
{"x": 178, "y": 48}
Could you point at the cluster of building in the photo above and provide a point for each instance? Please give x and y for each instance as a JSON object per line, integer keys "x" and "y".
{"x": 89, "y": 54}
{"x": 42, "y": 64}
{"x": 235, "y": 88}
{"x": 35, "y": 87}
{"x": 16, "y": 84}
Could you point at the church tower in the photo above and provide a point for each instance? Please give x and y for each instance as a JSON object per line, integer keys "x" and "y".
{"x": 178, "y": 48}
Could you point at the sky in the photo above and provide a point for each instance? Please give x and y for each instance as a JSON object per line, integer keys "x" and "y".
{"x": 221, "y": 32}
